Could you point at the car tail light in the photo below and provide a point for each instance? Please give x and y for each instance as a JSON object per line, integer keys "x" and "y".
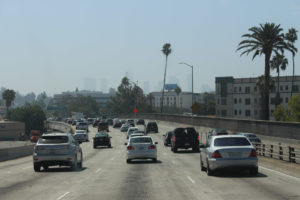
{"x": 216, "y": 154}
{"x": 130, "y": 148}
{"x": 174, "y": 138}
{"x": 253, "y": 153}
{"x": 198, "y": 138}
{"x": 152, "y": 147}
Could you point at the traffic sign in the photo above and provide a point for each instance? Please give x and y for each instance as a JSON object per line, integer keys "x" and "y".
{"x": 135, "y": 110}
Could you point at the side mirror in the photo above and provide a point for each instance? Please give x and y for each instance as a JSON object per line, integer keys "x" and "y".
{"x": 156, "y": 143}
{"x": 125, "y": 143}
{"x": 202, "y": 146}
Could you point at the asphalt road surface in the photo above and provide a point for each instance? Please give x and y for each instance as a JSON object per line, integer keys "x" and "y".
{"x": 106, "y": 175}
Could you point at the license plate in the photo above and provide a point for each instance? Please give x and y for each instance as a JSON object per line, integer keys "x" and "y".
{"x": 234, "y": 154}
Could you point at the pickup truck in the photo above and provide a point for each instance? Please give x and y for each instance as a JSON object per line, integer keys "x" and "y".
{"x": 185, "y": 138}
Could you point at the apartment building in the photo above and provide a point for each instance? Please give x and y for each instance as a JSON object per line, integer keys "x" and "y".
{"x": 171, "y": 99}
{"x": 241, "y": 97}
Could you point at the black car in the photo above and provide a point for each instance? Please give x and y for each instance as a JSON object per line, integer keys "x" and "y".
{"x": 185, "y": 138}
{"x": 130, "y": 122}
{"x": 103, "y": 126}
{"x": 110, "y": 121}
{"x": 140, "y": 122}
{"x": 151, "y": 126}
{"x": 167, "y": 138}
{"x": 102, "y": 139}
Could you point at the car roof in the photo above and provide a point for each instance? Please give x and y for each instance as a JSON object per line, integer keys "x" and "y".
{"x": 57, "y": 134}
{"x": 228, "y": 136}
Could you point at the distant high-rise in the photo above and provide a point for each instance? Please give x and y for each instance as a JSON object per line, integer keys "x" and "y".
{"x": 90, "y": 84}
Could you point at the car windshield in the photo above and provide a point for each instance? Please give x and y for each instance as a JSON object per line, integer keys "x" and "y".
{"x": 53, "y": 139}
{"x": 141, "y": 140}
{"x": 231, "y": 141}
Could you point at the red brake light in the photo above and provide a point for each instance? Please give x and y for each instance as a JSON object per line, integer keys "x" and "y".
{"x": 174, "y": 138}
{"x": 216, "y": 154}
{"x": 130, "y": 148}
{"x": 198, "y": 138}
{"x": 152, "y": 147}
{"x": 253, "y": 153}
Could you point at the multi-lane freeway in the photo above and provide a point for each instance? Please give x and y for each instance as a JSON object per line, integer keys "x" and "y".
{"x": 106, "y": 175}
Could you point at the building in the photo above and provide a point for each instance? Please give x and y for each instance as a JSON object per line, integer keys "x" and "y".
{"x": 100, "y": 97}
{"x": 241, "y": 97}
{"x": 171, "y": 99}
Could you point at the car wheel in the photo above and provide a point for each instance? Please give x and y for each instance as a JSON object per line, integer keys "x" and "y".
{"x": 175, "y": 150}
{"x": 156, "y": 131}
{"x": 80, "y": 164}
{"x": 254, "y": 171}
{"x": 209, "y": 172}
{"x": 154, "y": 160}
{"x": 74, "y": 164}
{"x": 128, "y": 161}
{"x": 201, "y": 164}
{"x": 109, "y": 146}
{"x": 46, "y": 167}
{"x": 36, "y": 167}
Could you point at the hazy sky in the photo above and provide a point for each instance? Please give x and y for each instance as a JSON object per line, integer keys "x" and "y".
{"x": 57, "y": 45}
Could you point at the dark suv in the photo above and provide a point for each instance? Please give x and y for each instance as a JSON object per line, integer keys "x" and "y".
{"x": 140, "y": 122}
{"x": 185, "y": 138}
{"x": 151, "y": 126}
{"x": 103, "y": 126}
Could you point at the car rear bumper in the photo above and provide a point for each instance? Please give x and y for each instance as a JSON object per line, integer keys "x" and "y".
{"x": 141, "y": 155}
{"x": 233, "y": 163}
{"x": 53, "y": 160}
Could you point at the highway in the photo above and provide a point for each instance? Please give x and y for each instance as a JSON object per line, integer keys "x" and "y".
{"x": 106, "y": 175}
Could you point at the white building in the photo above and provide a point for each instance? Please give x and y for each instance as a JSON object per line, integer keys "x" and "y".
{"x": 171, "y": 99}
{"x": 241, "y": 98}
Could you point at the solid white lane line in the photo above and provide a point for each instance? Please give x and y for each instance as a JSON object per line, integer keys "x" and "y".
{"x": 188, "y": 177}
{"x": 279, "y": 173}
{"x": 62, "y": 196}
{"x": 98, "y": 170}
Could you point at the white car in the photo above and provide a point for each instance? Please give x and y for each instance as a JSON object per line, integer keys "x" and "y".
{"x": 136, "y": 135}
{"x": 141, "y": 147}
{"x": 81, "y": 136}
{"x": 124, "y": 127}
{"x": 131, "y": 130}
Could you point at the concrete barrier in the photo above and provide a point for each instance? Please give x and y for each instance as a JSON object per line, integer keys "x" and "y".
{"x": 16, "y": 152}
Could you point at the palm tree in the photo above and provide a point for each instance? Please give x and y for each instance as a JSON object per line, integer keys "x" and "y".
{"x": 178, "y": 91}
{"x": 265, "y": 39}
{"x": 291, "y": 37}
{"x": 278, "y": 62}
{"x": 166, "y": 50}
{"x": 9, "y": 97}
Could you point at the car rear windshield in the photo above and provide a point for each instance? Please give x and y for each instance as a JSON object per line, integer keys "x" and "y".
{"x": 152, "y": 124}
{"x": 185, "y": 132}
{"x": 82, "y": 123}
{"x": 232, "y": 141}
{"x": 103, "y": 124}
{"x": 54, "y": 139}
{"x": 141, "y": 140}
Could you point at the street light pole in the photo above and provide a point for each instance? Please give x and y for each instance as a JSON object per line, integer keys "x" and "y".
{"x": 191, "y": 66}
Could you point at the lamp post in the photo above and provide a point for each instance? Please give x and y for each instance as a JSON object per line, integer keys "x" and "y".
{"x": 135, "y": 95}
{"x": 191, "y": 66}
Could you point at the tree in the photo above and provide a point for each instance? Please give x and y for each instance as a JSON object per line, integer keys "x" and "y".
{"x": 278, "y": 62}
{"x": 178, "y": 91}
{"x": 291, "y": 37}
{"x": 8, "y": 96}
{"x": 280, "y": 114}
{"x": 265, "y": 39}
{"x": 32, "y": 115}
{"x": 294, "y": 108}
{"x": 166, "y": 51}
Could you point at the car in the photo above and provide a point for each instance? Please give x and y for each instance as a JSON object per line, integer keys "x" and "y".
{"x": 103, "y": 126}
{"x": 228, "y": 152}
{"x": 123, "y": 121}
{"x": 140, "y": 131}
{"x": 130, "y": 122}
{"x": 131, "y": 130}
{"x": 151, "y": 126}
{"x": 185, "y": 138}
{"x": 101, "y": 139}
{"x": 167, "y": 138}
{"x": 110, "y": 121}
{"x": 124, "y": 128}
{"x": 252, "y": 137}
{"x": 90, "y": 120}
{"x": 95, "y": 123}
{"x": 136, "y": 135}
{"x": 82, "y": 126}
{"x": 81, "y": 136}
{"x": 218, "y": 131}
{"x": 141, "y": 147}
{"x": 117, "y": 123}
{"x": 140, "y": 122}
{"x": 74, "y": 122}
{"x": 57, "y": 149}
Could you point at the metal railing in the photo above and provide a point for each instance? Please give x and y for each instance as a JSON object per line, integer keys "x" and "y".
{"x": 280, "y": 152}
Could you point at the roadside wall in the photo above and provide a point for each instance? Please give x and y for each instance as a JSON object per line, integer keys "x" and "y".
{"x": 16, "y": 152}
{"x": 10, "y": 130}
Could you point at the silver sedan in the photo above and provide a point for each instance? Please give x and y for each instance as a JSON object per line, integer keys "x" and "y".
{"x": 141, "y": 147}
{"x": 228, "y": 151}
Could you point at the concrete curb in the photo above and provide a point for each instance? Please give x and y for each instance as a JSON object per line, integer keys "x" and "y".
{"x": 16, "y": 152}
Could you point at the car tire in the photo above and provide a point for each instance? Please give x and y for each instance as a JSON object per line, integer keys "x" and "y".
{"x": 156, "y": 131}
{"x": 254, "y": 171}
{"x": 46, "y": 167}
{"x": 209, "y": 172}
{"x": 80, "y": 164}
{"x": 165, "y": 144}
{"x": 95, "y": 146}
{"x": 154, "y": 160}
{"x": 175, "y": 150}
{"x": 201, "y": 164}
{"x": 74, "y": 164}
{"x": 128, "y": 161}
{"x": 36, "y": 167}
{"x": 109, "y": 146}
